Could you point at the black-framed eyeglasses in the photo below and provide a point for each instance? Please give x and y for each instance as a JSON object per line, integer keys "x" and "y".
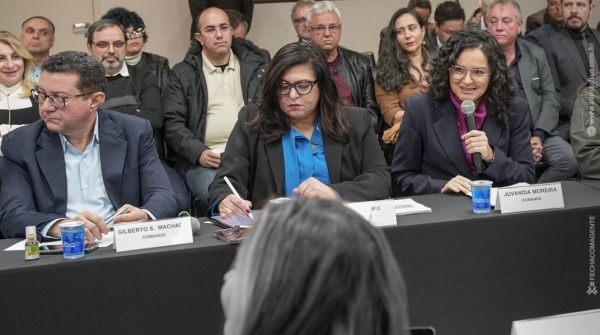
{"x": 303, "y": 87}
{"x": 55, "y": 99}
{"x": 135, "y": 34}
{"x": 333, "y": 28}
{"x": 211, "y": 30}
{"x": 104, "y": 45}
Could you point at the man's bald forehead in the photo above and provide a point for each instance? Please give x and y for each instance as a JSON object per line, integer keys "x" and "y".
{"x": 212, "y": 11}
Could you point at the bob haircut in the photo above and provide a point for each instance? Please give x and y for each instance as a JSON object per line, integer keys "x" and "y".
{"x": 393, "y": 70}
{"x": 312, "y": 267}
{"x": 272, "y": 122}
{"x": 12, "y": 41}
{"x": 127, "y": 19}
{"x": 501, "y": 90}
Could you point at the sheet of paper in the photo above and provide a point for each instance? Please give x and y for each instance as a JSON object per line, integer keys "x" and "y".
{"x": 106, "y": 241}
{"x": 409, "y": 206}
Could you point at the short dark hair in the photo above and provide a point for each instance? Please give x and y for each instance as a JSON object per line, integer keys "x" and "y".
{"x": 43, "y": 18}
{"x": 272, "y": 123}
{"x": 419, "y": 4}
{"x": 127, "y": 19}
{"x": 317, "y": 267}
{"x": 100, "y": 25}
{"x": 448, "y": 11}
{"x": 90, "y": 72}
{"x": 501, "y": 90}
{"x": 235, "y": 18}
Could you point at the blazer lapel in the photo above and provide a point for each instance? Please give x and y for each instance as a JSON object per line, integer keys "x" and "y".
{"x": 112, "y": 157}
{"x": 51, "y": 161}
{"x": 275, "y": 158}
{"x": 568, "y": 43}
{"x": 446, "y": 129}
{"x": 492, "y": 129}
{"x": 333, "y": 155}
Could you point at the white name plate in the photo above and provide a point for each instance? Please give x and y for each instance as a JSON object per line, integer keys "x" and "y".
{"x": 379, "y": 213}
{"x": 152, "y": 234}
{"x": 530, "y": 198}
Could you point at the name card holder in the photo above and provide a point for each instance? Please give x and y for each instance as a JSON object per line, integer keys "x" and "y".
{"x": 530, "y": 198}
{"x": 152, "y": 234}
{"x": 379, "y": 213}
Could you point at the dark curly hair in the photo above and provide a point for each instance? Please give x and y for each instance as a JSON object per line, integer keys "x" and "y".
{"x": 501, "y": 90}
{"x": 272, "y": 123}
{"x": 127, "y": 19}
{"x": 393, "y": 68}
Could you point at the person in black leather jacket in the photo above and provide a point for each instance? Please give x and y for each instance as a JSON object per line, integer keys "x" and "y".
{"x": 350, "y": 70}
{"x": 189, "y": 109}
{"x": 136, "y": 38}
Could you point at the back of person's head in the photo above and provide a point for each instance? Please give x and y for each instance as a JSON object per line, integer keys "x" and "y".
{"x": 323, "y": 7}
{"x": 90, "y": 72}
{"x": 15, "y": 43}
{"x": 312, "y": 267}
{"x": 272, "y": 123}
{"x": 127, "y": 19}
{"x": 448, "y": 11}
{"x": 101, "y": 25}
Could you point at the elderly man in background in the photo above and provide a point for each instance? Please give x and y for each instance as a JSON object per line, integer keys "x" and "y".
{"x": 37, "y": 34}
{"x": 299, "y": 11}
{"x": 350, "y": 70}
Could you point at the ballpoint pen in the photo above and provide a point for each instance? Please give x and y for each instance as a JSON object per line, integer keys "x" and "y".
{"x": 236, "y": 194}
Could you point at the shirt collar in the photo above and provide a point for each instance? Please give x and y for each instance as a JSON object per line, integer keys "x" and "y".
{"x": 576, "y": 34}
{"x": 95, "y": 137}
{"x": 438, "y": 41}
{"x": 124, "y": 72}
{"x": 211, "y": 68}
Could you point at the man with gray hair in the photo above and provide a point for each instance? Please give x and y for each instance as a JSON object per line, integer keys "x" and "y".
{"x": 533, "y": 79}
{"x": 79, "y": 163}
{"x": 299, "y": 12}
{"x": 350, "y": 70}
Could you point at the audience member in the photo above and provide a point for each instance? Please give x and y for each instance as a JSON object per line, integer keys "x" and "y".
{"x": 555, "y": 25}
{"x": 136, "y": 39}
{"x": 299, "y": 141}
{"x": 299, "y": 11}
{"x": 568, "y": 54}
{"x": 404, "y": 63}
{"x": 481, "y": 12}
{"x": 17, "y": 107}
{"x": 475, "y": 19}
{"x": 449, "y": 17}
{"x": 350, "y": 70}
{"x": 203, "y": 97}
{"x": 131, "y": 90}
{"x": 423, "y": 8}
{"x": 314, "y": 267}
{"x": 538, "y": 19}
{"x": 37, "y": 34}
{"x": 246, "y": 7}
{"x": 585, "y": 136}
{"x": 79, "y": 162}
{"x": 434, "y": 149}
{"x": 239, "y": 28}
{"x": 530, "y": 71}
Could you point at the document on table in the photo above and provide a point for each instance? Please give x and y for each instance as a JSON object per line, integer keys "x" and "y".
{"x": 105, "y": 242}
{"x": 409, "y": 206}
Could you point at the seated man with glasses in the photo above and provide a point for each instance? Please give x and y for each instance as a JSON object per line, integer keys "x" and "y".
{"x": 435, "y": 151}
{"x": 131, "y": 90}
{"x": 79, "y": 162}
{"x": 136, "y": 40}
{"x": 350, "y": 70}
{"x": 202, "y": 99}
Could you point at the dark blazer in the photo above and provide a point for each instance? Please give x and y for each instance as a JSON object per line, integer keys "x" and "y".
{"x": 429, "y": 152}
{"x": 34, "y": 185}
{"x": 536, "y": 20}
{"x": 157, "y": 65}
{"x": 568, "y": 73}
{"x": 542, "y": 33}
{"x": 357, "y": 169}
{"x": 538, "y": 86}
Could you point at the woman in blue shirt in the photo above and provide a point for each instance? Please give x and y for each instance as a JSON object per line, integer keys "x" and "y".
{"x": 299, "y": 141}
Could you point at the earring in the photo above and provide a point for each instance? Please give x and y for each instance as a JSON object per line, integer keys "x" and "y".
{"x": 424, "y": 42}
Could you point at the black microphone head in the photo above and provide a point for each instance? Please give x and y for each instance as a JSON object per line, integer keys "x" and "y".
{"x": 467, "y": 107}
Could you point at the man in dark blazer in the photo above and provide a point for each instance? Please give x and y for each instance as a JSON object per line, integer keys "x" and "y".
{"x": 566, "y": 52}
{"x": 550, "y": 29}
{"x": 533, "y": 80}
{"x": 433, "y": 154}
{"x": 79, "y": 163}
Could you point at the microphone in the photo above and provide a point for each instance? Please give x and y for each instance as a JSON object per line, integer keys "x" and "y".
{"x": 194, "y": 222}
{"x": 467, "y": 107}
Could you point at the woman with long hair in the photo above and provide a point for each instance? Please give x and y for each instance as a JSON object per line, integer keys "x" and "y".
{"x": 435, "y": 151}
{"x": 299, "y": 141}
{"x": 314, "y": 267}
{"x": 404, "y": 63}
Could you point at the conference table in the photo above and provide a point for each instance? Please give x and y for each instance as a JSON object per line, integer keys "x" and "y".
{"x": 465, "y": 274}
